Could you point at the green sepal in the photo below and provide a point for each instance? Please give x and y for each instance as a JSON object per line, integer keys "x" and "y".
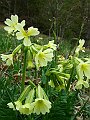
{"x": 41, "y": 93}
{"x": 24, "y": 93}
{"x": 30, "y": 96}
{"x": 17, "y": 49}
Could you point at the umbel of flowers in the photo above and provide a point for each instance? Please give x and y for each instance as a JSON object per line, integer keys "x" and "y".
{"x": 40, "y": 55}
{"x": 32, "y": 101}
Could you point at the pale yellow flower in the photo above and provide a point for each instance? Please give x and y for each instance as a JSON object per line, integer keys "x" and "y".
{"x": 12, "y": 24}
{"x": 41, "y": 106}
{"x": 82, "y": 83}
{"x": 80, "y": 47}
{"x": 22, "y": 34}
{"x": 83, "y": 69}
{"x": 18, "y": 104}
{"x": 7, "y": 58}
{"x": 43, "y": 57}
{"x": 26, "y": 109}
{"x": 51, "y": 45}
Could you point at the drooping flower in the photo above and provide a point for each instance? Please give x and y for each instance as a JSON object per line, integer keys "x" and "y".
{"x": 43, "y": 57}
{"x": 80, "y": 46}
{"x": 51, "y": 45}
{"x": 7, "y": 58}
{"x": 82, "y": 83}
{"x": 26, "y": 109}
{"x": 18, "y": 104}
{"x": 41, "y": 106}
{"x": 83, "y": 69}
{"x": 12, "y": 24}
{"x": 22, "y": 34}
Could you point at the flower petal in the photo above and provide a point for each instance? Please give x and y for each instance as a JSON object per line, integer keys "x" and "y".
{"x": 19, "y": 35}
{"x": 26, "y": 41}
{"x": 23, "y": 23}
{"x": 8, "y": 22}
{"x": 32, "y": 31}
{"x": 10, "y": 105}
{"x": 86, "y": 84}
{"x": 8, "y": 62}
{"x": 14, "y": 19}
{"x": 9, "y": 29}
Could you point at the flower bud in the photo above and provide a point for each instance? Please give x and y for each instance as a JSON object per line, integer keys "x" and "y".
{"x": 17, "y": 49}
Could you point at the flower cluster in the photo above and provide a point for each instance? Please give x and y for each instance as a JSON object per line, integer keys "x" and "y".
{"x": 40, "y": 105}
{"x": 78, "y": 68}
{"x": 22, "y": 34}
{"x": 14, "y": 26}
{"x": 37, "y": 55}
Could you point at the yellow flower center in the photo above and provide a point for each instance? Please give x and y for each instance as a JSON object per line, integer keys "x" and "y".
{"x": 84, "y": 67}
{"x": 41, "y": 55}
{"x": 24, "y": 33}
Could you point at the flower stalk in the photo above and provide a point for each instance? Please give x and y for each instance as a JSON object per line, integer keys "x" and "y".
{"x": 24, "y": 70}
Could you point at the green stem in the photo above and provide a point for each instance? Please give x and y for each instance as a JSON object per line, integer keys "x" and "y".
{"x": 24, "y": 71}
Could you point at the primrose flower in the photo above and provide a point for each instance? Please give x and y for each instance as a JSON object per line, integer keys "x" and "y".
{"x": 7, "y": 58}
{"x": 26, "y": 109}
{"x": 17, "y": 103}
{"x": 51, "y": 45}
{"x": 42, "y": 57}
{"x": 81, "y": 83}
{"x": 22, "y": 34}
{"x": 80, "y": 47}
{"x": 41, "y": 106}
{"x": 83, "y": 69}
{"x": 12, "y": 24}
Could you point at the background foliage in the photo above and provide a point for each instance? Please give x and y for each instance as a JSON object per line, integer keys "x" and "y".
{"x": 68, "y": 18}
